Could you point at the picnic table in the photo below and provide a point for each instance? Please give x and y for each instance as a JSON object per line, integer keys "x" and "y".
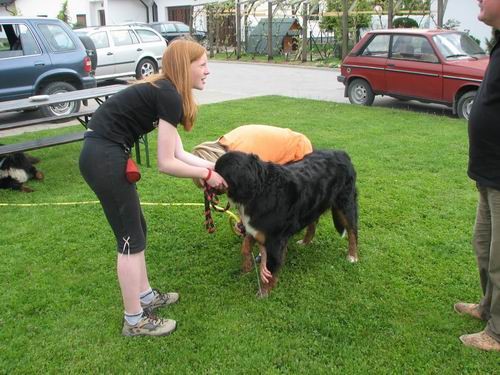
{"x": 99, "y": 94}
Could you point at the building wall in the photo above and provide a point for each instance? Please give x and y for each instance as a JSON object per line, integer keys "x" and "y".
{"x": 119, "y": 11}
{"x": 49, "y": 8}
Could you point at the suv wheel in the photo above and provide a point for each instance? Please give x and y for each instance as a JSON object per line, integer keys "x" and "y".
{"x": 62, "y": 108}
{"x": 145, "y": 68}
{"x": 464, "y": 104}
{"x": 360, "y": 92}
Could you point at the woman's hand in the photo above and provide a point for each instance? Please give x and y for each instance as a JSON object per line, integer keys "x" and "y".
{"x": 215, "y": 180}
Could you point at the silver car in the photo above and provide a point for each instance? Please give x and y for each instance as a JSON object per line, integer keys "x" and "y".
{"x": 127, "y": 50}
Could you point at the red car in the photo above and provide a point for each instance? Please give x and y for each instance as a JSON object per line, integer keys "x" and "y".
{"x": 433, "y": 66}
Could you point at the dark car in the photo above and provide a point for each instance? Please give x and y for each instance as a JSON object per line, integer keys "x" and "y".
{"x": 174, "y": 29}
{"x": 41, "y": 56}
{"x": 434, "y": 66}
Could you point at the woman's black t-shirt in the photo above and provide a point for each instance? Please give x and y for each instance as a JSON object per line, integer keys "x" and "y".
{"x": 134, "y": 111}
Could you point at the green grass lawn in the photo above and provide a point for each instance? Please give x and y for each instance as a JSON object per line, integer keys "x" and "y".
{"x": 391, "y": 313}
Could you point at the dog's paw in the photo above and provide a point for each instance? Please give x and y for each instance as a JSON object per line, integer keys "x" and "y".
{"x": 39, "y": 175}
{"x": 26, "y": 189}
{"x": 352, "y": 259}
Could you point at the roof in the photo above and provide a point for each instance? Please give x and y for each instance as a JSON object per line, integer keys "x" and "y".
{"x": 412, "y": 31}
{"x": 110, "y": 27}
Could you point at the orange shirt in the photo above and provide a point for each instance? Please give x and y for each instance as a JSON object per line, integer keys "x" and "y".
{"x": 270, "y": 143}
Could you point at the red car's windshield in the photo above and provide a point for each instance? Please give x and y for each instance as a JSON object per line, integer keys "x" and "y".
{"x": 457, "y": 46}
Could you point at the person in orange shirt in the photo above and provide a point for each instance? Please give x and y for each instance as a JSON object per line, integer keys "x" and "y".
{"x": 269, "y": 143}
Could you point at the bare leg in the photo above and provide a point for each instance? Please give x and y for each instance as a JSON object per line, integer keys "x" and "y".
{"x": 131, "y": 271}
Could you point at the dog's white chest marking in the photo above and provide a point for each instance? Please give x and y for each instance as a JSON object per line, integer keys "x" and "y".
{"x": 16, "y": 174}
{"x": 246, "y": 221}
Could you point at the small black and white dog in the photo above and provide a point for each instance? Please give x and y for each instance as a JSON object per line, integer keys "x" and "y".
{"x": 16, "y": 169}
{"x": 277, "y": 201}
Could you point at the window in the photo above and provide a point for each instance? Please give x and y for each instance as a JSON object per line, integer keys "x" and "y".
{"x": 183, "y": 28}
{"x": 457, "y": 45}
{"x": 121, "y": 38}
{"x": 100, "y": 39}
{"x": 57, "y": 38}
{"x": 148, "y": 36}
{"x": 81, "y": 20}
{"x": 377, "y": 47}
{"x": 168, "y": 28}
{"x": 412, "y": 47}
{"x": 17, "y": 40}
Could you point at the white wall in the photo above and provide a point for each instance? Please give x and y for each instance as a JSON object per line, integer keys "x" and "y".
{"x": 49, "y": 8}
{"x": 119, "y": 11}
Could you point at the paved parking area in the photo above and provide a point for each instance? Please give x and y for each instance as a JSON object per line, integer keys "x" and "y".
{"x": 229, "y": 81}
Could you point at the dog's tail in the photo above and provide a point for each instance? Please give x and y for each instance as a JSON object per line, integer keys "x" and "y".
{"x": 32, "y": 159}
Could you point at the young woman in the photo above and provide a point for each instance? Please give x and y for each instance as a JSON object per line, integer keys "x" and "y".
{"x": 162, "y": 102}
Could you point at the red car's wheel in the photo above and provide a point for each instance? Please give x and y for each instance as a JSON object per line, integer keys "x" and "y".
{"x": 464, "y": 104}
{"x": 360, "y": 92}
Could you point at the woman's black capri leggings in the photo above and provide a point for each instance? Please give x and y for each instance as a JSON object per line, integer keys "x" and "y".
{"x": 102, "y": 165}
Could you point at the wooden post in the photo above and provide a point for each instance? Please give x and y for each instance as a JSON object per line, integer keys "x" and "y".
{"x": 217, "y": 32}
{"x": 390, "y": 13}
{"x": 245, "y": 25}
{"x": 305, "y": 19}
{"x": 238, "y": 30}
{"x": 211, "y": 30}
{"x": 345, "y": 27}
{"x": 269, "y": 30}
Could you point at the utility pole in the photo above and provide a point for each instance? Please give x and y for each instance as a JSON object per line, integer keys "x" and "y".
{"x": 269, "y": 30}
{"x": 345, "y": 27}
{"x": 238, "y": 30}
{"x": 390, "y": 13}
{"x": 305, "y": 20}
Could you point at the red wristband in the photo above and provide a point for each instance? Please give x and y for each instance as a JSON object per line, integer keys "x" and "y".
{"x": 208, "y": 175}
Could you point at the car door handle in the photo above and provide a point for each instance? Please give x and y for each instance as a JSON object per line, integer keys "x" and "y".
{"x": 109, "y": 53}
{"x": 40, "y": 63}
{"x": 139, "y": 49}
{"x": 391, "y": 65}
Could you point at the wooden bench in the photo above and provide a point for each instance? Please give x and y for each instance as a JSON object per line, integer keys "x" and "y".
{"x": 42, "y": 120}
{"x": 61, "y": 139}
{"x": 41, "y": 143}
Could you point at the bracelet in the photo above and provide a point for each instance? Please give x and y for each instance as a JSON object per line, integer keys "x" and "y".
{"x": 208, "y": 175}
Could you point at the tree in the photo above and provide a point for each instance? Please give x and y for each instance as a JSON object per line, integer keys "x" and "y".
{"x": 405, "y": 22}
{"x": 355, "y": 21}
{"x": 63, "y": 13}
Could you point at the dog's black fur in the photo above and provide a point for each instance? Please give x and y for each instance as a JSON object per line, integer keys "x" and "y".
{"x": 278, "y": 201}
{"x": 16, "y": 169}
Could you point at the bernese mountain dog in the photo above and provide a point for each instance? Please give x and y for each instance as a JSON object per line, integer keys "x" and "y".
{"x": 277, "y": 201}
{"x": 16, "y": 169}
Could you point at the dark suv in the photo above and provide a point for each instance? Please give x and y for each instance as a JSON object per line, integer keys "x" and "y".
{"x": 174, "y": 29}
{"x": 41, "y": 56}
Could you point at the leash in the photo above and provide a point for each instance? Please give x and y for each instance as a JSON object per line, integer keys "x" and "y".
{"x": 212, "y": 201}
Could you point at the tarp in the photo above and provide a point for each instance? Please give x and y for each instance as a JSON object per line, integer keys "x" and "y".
{"x": 257, "y": 40}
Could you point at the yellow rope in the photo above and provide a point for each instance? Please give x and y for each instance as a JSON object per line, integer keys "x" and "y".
{"x": 91, "y": 202}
